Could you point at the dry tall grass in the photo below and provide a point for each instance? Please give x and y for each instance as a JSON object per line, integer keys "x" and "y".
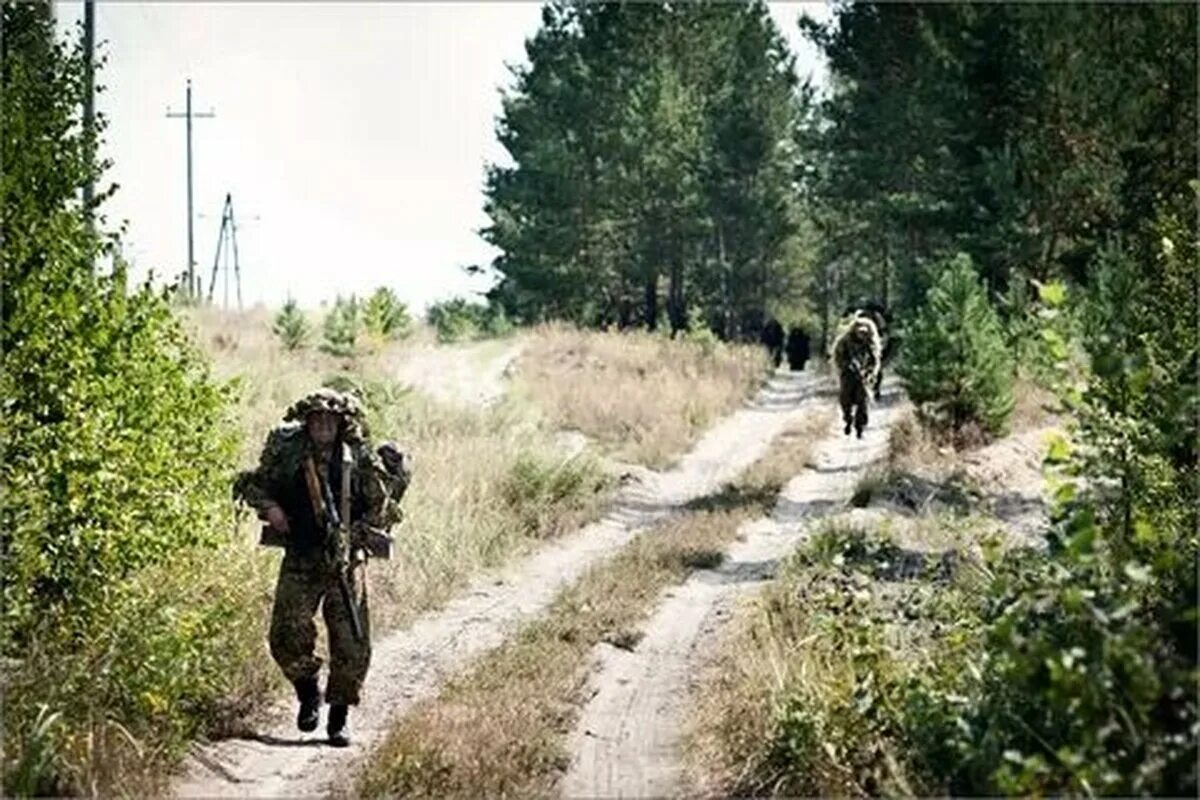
{"x": 644, "y": 397}
{"x": 460, "y": 513}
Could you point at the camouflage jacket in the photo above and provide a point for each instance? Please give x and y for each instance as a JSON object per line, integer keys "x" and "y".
{"x": 857, "y": 349}
{"x": 279, "y": 480}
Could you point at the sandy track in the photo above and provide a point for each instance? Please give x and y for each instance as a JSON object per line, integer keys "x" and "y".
{"x": 627, "y": 740}
{"x": 413, "y": 663}
{"x": 461, "y": 374}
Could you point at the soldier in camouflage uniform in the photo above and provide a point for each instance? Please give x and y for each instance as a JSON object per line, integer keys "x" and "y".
{"x": 327, "y": 428}
{"x": 856, "y": 354}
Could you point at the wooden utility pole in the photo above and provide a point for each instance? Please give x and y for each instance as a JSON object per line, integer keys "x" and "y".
{"x": 89, "y": 96}
{"x": 192, "y": 288}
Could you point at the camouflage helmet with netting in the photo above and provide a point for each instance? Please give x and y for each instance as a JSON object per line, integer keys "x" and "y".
{"x": 330, "y": 401}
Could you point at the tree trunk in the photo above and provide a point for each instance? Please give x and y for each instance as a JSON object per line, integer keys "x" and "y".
{"x": 726, "y": 290}
{"x": 887, "y": 275}
{"x": 652, "y": 302}
{"x": 675, "y": 305}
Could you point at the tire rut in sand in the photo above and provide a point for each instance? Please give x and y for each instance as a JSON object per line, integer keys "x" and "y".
{"x": 626, "y": 742}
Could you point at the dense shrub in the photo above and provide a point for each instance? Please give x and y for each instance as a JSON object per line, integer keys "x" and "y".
{"x": 1090, "y": 687}
{"x": 116, "y": 453}
{"x": 114, "y": 445}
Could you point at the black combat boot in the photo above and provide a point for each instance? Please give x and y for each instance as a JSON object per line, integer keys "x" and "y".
{"x": 336, "y": 727}
{"x": 309, "y": 695}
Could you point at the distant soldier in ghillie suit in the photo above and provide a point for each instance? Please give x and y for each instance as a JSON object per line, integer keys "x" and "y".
{"x": 326, "y": 496}
{"x": 856, "y": 354}
{"x": 797, "y": 348}
{"x": 772, "y": 338}
{"x": 887, "y": 340}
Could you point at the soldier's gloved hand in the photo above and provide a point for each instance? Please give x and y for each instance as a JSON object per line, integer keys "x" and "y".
{"x": 277, "y": 519}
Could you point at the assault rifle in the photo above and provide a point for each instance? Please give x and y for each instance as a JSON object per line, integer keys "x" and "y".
{"x": 337, "y": 535}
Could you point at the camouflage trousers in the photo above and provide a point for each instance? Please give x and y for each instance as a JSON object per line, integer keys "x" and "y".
{"x": 306, "y": 581}
{"x": 852, "y": 396}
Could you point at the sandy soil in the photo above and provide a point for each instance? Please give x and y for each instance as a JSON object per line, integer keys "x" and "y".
{"x": 465, "y": 374}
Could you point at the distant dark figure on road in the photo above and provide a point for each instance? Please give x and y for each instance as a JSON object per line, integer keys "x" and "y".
{"x": 797, "y": 348}
{"x": 772, "y": 339}
{"x": 750, "y": 325}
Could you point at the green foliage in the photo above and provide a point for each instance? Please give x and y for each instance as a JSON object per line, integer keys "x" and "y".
{"x": 954, "y": 359}
{"x": 176, "y": 653}
{"x": 459, "y": 320}
{"x": 699, "y": 332}
{"x": 342, "y": 326}
{"x": 116, "y": 462}
{"x": 1023, "y": 135}
{"x": 1091, "y": 686}
{"x": 291, "y": 326}
{"x": 1088, "y": 685}
{"x": 871, "y": 709}
{"x": 1085, "y": 689}
{"x": 115, "y": 445}
{"x": 385, "y": 316}
{"x": 652, "y": 164}
{"x": 540, "y": 488}
{"x": 1042, "y": 329}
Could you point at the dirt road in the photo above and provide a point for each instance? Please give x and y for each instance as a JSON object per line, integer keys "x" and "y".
{"x": 627, "y": 740}
{"x": 413, "y": 663}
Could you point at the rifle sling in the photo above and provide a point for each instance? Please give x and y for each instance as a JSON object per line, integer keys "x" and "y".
{"x": 314, "y": 490}
{"x": 347, "y": 467}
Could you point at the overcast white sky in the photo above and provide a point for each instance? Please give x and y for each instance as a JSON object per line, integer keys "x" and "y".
{"x": 352, "y": 136}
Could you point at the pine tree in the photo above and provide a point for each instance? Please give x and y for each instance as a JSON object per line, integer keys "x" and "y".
{"x": 291, "y": 326}
{"x": 955, "y": 363}
{"x": 384, "y": 316}
{"x": 652, "y": 166}
{"x": 342, "y": 326}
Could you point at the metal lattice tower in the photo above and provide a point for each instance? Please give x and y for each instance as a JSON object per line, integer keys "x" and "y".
{"x": 226, "y": 242}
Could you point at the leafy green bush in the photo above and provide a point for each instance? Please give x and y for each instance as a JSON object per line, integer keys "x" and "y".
{"x": 177, "y": 653}
{"x": 1089, "y": 682}
{"x": 342, "y": 326}
{"x": 954, "y": 363}
{"x": 115, "y": 443}
{"x": 1085, "y": 690}
{"x": 117, "y": 456}
{"x": 291, "y": 326}
{"x": 385, "y": 316}
{"x": 457, "y": 320}
{"x": 1090, "y": 687}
